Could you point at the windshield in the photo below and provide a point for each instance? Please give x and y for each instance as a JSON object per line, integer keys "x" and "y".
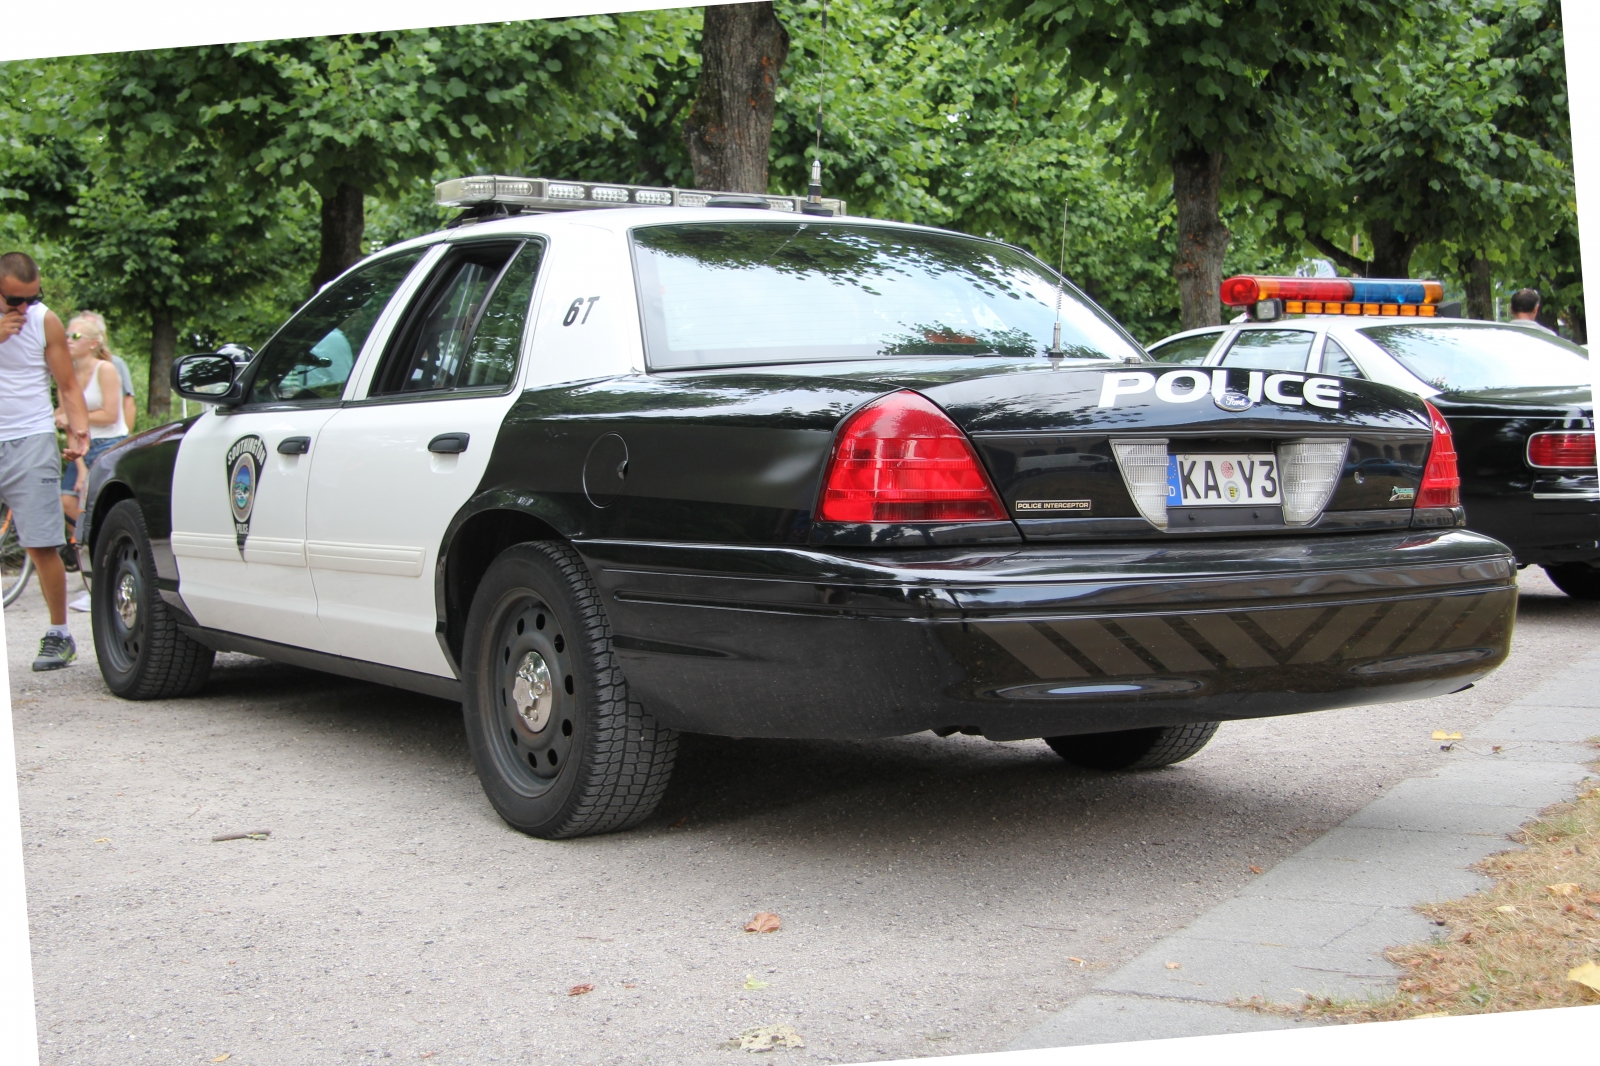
{"x": 1465, "y": 358}
{"x": 749, "y": 293}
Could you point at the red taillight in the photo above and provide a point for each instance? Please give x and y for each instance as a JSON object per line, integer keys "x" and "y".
{"x": 1561, "y": 449}
{"x": 901, "y": 459}
{"x": 1441, "y": 483}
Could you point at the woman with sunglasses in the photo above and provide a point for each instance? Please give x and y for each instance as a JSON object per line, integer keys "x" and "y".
{"x": 102, "y": 395}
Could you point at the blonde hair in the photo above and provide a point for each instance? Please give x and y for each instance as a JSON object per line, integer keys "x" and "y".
{"x": 97, "y": 327}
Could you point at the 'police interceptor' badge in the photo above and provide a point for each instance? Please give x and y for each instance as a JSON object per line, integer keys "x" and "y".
{"x": 246, "y": 459}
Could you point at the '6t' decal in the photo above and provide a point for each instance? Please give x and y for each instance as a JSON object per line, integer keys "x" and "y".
{"x": 1186, "y": 386}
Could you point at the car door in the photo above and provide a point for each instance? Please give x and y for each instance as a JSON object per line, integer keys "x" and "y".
{"x": 240, "y": 479}
{"x": 399, "y": 461}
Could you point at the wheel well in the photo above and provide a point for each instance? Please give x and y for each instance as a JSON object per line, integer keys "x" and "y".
{"x": 472, "y": 549}
{"x": 109, "y": 497}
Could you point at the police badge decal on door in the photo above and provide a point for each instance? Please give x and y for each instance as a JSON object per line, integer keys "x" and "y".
{"x": 246, "y": 459}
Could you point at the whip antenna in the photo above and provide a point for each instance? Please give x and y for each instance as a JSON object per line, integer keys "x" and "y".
{"x": 813, "y": 204}
{"x": 1055, "y": 353}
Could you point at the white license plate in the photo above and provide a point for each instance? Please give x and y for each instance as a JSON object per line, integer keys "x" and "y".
{"x": 1225, "y": 480}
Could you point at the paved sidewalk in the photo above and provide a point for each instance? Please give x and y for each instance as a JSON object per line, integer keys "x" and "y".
{"x": 1320, "y": 920}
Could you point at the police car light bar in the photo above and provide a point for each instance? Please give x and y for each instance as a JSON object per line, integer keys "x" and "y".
{"x": 542, "y": 194}
{"x": 1337, "y": 296}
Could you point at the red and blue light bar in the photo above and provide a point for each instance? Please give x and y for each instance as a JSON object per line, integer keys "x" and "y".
{"x": 1336, "y": 296}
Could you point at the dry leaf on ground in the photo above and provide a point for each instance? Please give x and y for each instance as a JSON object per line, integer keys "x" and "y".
{"x": 1080, "y": 962}
{"x": 1508, "y": 908}
{"x": 1440, "y": 734}
{"x": 580, "y": 990}
{"x": 752, "y": 984}
{"x": 764, "y": 922}
{"x": 1174, "y": 965}
{"x": 224, "y": 1057}
{"x": 1587, "y": 975}
{"x": 1256, "y": 869}
{"x": 1565, "y": 888}
{"x": 768, "y": 1037}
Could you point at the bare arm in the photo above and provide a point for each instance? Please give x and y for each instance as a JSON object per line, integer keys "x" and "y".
{"x": 130, "y": 411}
{"x": 59, "y": 360}
{"x": 110, "y": 385}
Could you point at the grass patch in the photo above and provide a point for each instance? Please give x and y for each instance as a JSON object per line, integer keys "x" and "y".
{"x": 1507, "y": 948}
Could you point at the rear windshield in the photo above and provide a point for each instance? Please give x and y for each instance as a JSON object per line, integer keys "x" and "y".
{"x": 750, "y": 293}
{"x": 1462, "y": 357}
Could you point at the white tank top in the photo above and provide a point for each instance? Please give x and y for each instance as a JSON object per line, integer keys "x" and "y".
{"x": 92, "y": 399}
{"x": 25, "y": 380}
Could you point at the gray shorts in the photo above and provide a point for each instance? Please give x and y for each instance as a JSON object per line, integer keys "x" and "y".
{"x": 30, "y": 484}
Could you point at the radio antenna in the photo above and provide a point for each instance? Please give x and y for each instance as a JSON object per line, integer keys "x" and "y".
{"x": 1055, "y": 353}
{"x": 813, "y": 204}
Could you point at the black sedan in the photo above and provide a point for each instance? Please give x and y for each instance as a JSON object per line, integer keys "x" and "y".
{"x": 606, "y": 475}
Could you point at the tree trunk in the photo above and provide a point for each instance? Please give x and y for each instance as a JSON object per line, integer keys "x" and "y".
{"x": 344, "y": 220}
{"x": 1202, "y": 238}
{"x": 163, "y": 345}
{"x": 1480, "y": 289}
{"x": 1391, "y": 251}
{"x": 729, "y": 128}
{"x": 1579, "y": 323}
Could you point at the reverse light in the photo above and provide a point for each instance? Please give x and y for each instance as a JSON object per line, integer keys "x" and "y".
{"x": 901, "y": 459}
{"x": 1561, "y": 451}
{"x": 1310, "y": 470}
{"x": 1441, "y": 482}
{"x": 1144, "y": 470}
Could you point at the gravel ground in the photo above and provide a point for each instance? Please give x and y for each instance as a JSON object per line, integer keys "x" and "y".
{"x": 937, "y": 896}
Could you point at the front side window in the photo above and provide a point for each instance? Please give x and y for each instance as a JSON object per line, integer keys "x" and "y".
{"x": 310, "y": 358}
{"x": 465, "y": 328}
{"x": 1463, "y": 357}
{"x": 753, "y": 293}
{"x": 1270, "y": 349}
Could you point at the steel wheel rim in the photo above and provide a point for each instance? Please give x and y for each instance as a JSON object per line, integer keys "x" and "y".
{"x": 533, "y": 720}
{"x": 121, "y": 598}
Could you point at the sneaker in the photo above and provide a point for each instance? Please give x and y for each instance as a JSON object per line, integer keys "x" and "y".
{"x": 80, "y": 602}
{"x": 55, "y": 652}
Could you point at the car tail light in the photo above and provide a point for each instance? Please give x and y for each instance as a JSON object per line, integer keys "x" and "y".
{"x": 1441, "y": 483}
{"x": 901, "y": 459}
{"x": 1561, "y": 450}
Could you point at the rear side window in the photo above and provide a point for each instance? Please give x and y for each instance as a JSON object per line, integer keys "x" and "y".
{"x": 464, "y": 329}
{"x": 1337, "y": 361}
{"x": 310, "y": 358}
{"x": 1270, "y": 349}
{"x": 1186, "y": 351}
{"x": 753, "y": 293}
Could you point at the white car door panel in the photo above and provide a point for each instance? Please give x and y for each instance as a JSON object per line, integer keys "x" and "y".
{"x": 380, "y": 503}
{"x": 238, "y": 503}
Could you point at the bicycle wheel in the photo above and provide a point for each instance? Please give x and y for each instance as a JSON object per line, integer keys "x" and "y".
{"x": 15, "y": 566}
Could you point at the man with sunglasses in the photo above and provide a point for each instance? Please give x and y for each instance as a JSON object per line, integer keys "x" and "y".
{"x": 33, "y": 350}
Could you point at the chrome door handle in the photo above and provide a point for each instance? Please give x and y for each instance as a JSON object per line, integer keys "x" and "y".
{"x": 294, "y": 445}
{"x": 449, "y": 443}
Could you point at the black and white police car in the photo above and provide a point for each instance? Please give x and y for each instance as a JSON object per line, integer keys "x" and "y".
{"x": 751, "y": 468}
{"x": 1518, "y": 399}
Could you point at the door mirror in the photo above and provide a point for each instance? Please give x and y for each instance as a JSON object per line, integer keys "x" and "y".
{"x": 208, "y": 378}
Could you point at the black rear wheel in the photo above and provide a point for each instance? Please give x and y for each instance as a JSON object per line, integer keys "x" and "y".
{"x": 1578, "y": 580}
{"x": 142, "y": 654}
{"x": 559, "y": 747}
{"x": 1134, "y": 749}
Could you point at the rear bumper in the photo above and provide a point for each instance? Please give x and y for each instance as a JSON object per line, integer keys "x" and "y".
{"x": 787, "y": 642}
{"x": 1553, "y": 527}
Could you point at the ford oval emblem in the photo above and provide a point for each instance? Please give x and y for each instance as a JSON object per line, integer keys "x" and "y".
{"x": 1233, "y": 400}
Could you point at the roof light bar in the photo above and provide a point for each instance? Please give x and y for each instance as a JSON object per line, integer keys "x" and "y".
{"x": 1336, "y": 296}
{"x": 534, "y": 195}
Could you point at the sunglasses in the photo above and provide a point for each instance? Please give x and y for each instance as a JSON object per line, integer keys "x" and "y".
{"x": 19, "y": 301}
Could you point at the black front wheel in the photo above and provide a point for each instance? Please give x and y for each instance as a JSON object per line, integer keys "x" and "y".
{"x": 1134, "y": 749}
{"x": 1578, "y": 580}
{"x": 142, "y": 654}
{"x": 559, "y": 747}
